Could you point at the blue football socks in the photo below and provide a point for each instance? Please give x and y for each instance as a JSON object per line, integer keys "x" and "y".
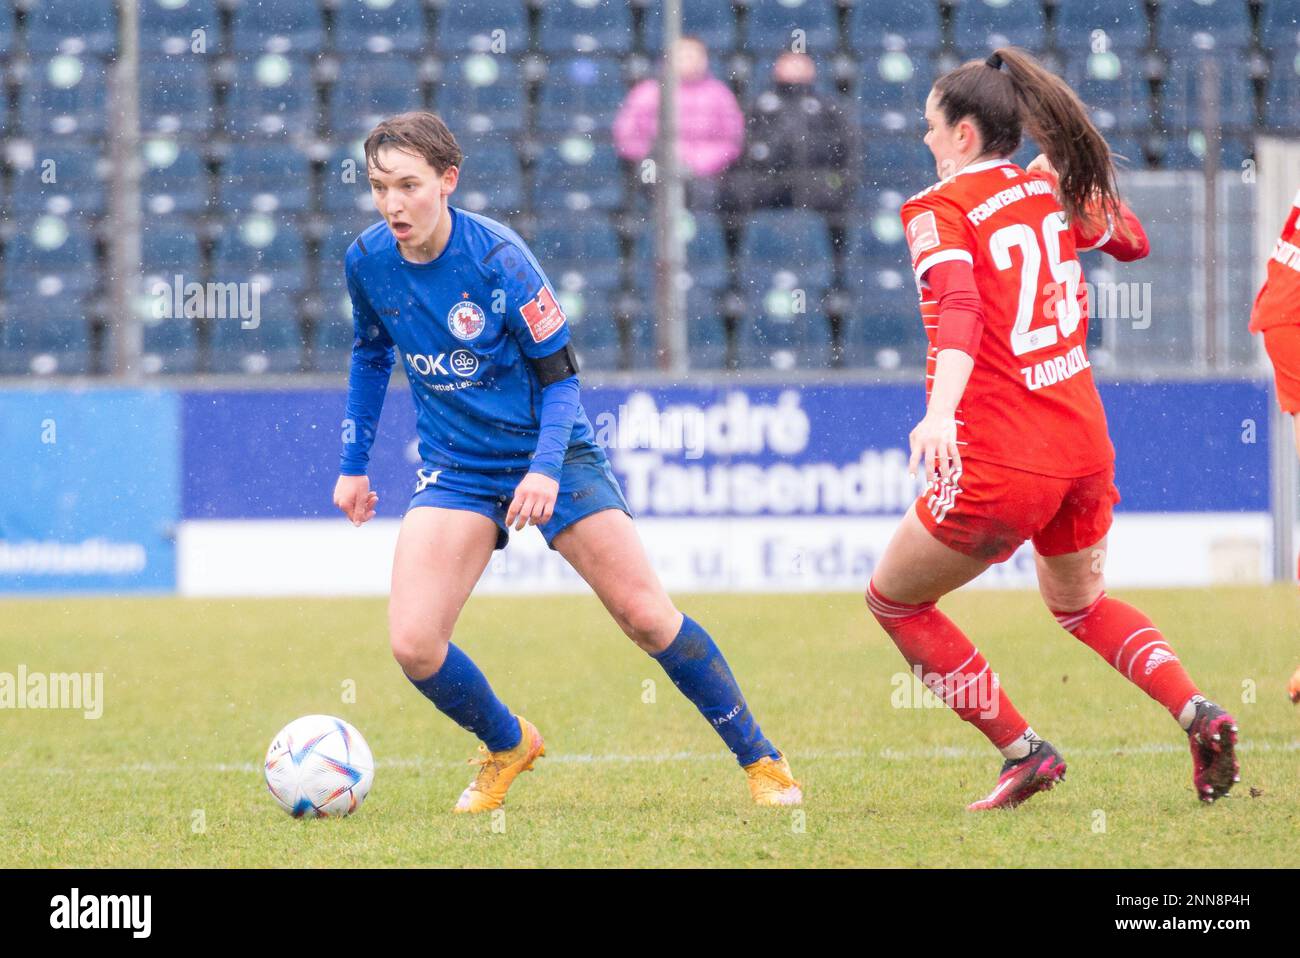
{"x": 461, "y": 692}
{"x": 697, "y": 668}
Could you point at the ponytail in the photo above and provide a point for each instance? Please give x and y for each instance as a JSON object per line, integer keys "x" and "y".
{"x": 1011, "y": 89}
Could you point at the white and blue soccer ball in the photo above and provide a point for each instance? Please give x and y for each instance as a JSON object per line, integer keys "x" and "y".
{"x": 319, "y": 766}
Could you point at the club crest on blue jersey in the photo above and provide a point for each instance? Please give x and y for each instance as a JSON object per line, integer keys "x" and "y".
{"x": 466, "y": 320}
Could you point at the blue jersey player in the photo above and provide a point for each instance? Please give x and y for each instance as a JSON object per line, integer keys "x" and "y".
{"x": 504, "y": 442}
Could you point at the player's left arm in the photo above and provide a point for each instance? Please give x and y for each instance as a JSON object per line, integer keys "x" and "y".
{"x": 538, "y": 324}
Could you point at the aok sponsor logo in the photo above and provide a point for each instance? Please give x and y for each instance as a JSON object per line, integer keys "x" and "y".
{"x": 460, "y": 362}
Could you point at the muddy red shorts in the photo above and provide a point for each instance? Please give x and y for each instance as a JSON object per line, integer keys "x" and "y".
{"x": 989, "y": 510}
{"x": 1283, "y": 346}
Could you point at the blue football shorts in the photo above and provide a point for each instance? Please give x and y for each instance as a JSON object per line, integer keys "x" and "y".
{"x": 587, "y": 486}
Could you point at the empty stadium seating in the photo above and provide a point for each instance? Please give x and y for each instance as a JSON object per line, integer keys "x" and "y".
{"x": 252, "y": 114}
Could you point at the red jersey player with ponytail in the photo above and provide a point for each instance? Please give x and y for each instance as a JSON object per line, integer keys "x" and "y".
{"x": 1277, "y": 316}
{"x": 1014, "y": 441}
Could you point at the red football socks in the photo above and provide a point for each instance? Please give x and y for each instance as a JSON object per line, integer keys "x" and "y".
{"x": 949, "y": 665}
{"x": 1125, "y": 638}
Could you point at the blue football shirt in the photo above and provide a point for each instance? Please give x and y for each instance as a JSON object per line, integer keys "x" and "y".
{"x": 465, "y": 325}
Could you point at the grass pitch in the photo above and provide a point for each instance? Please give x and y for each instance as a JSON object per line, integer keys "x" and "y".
{"x": 170, "y": 775}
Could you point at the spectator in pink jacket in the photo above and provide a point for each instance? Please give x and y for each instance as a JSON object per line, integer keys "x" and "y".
{"x": 711, "y": 126}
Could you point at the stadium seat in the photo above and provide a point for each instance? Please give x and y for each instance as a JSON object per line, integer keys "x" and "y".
{"x": 7, "y": 28}
{"x": 6, "y": 121}
{"x": 1122, "y": 23}
{"x": 786, "y": 241}
{"x": 167, "y": 27}
{"x": 980, "y": 26}
{"x": 876, "y": 238}
{"x": 265, "y": 178}
{"x": 706, "y": 254}
{"x": 370, "y": 88}
{"x": 1113, "y": 89}
{"x": 1183, "y": 26}
{"x": 1182, "y": 95}
{"x": 174, "y": 178}
{"x": 1185, "y": 149}
{"x": 900, "y": 162}
{"x": 176, "y": 95}
{"x": 59, "y": 178}
{"x": 891, "y": 93}
{"x": 262, "y": 249}
{"x": 271, "y": 95}
{"x": 713, "y": 21}
{"x": 885, "y": 331}
{"x": 873, "y": 25}
{"x": 332, "y": 337}
{"x": 273, "y": 346}
{"x": 1282, "y": 104}
{"x": 345, "y": 187}
{"x": 1280, "y": 30}
{"x": 592, "y": 324}
{"x": 468, "y": 26}
{"x": 772, "y": 26}
{"x": 490, "y": 179}
{"x": 50, "y": 256}
{"x": 380, "y": 26}
{"x": 578, "y": 252}
{"x": 169, "y": 248}
{"x": 481, "y": 93}
{"x": 63, "y": 95}
{"x": 585, "y": 26}
{"x": 581, "y": 95}
{"x": 170, "y": 245}
{"x": 262, "y": 27}
{"x": 64, "y": 26}
{"x": 44, "y": 335}
{"x": 577, "y": 174}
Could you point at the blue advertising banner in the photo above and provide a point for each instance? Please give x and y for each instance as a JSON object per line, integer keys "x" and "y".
{"x": 816, "y": 450}
{"x": 92, "y": 490}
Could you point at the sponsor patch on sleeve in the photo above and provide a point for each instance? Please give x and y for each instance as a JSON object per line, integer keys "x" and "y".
{"x": 542, "y": 314}
{"x": 922, "y": 234}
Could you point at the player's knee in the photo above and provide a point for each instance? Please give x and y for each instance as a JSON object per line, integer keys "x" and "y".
{"x": 1069, "y": 596}
{"x": 419, "y": 652}
{"x": 648, "y": 621}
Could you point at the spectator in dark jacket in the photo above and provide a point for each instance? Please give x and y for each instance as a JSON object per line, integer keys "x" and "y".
{"x": 800, "y": 152}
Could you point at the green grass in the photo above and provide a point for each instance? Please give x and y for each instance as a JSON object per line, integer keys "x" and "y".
{"x": 194, "y": 690}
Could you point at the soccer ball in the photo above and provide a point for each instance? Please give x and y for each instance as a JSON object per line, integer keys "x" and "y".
{"x": 319, "y": 766}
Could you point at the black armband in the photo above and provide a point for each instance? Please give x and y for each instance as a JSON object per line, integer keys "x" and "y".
{"x": 561, "y": 364}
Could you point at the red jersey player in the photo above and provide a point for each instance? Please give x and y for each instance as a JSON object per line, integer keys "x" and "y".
{"x": 1014, "y": 441}
{"x": 1277, "y": 315}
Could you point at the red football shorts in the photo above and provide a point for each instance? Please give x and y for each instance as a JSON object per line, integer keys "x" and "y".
{"x": 990, "y": 510}
{"x": 1283, "y": 346}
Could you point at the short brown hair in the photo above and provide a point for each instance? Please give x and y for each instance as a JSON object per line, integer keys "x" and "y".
{"x": 421, "y": 133}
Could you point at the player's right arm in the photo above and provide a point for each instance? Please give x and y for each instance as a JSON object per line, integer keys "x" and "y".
{"x": 942, "y": 250}
{"x": 1125, "y": 243}
{"x": 372, "y": 366}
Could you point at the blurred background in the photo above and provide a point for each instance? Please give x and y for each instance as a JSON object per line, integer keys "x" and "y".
{"x": 146, "y": 146}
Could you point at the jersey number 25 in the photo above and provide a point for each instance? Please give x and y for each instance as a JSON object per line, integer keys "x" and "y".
{"x": 1066, "y": 275}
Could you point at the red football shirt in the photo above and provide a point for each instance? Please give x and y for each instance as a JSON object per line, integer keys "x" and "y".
{"x": 1278, "y": 300}
{"x": 1031, "y": 402}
